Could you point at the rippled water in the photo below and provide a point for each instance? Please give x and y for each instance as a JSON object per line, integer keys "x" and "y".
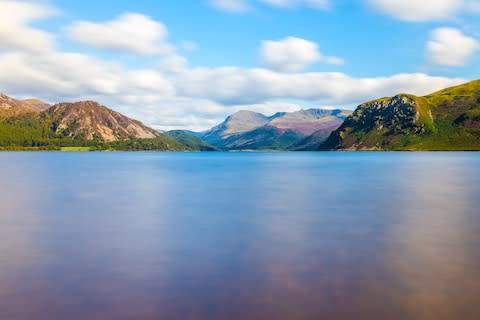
{"x": 239, "y": 236}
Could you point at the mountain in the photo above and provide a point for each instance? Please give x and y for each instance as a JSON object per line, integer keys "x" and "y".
{"x": 91, "y": 121}
{"x": 36, "y": 125}
{"x": 246, "y": 130}
{"x": 445, "y": 120}
{"x": 309, "y": 121}
{"x": 11, "y": 107}
{"x": 36, "y": 104}
{"x": 190, "y": 139}
{"x": 263, "y": 138}
{"x": 239, "y": 122}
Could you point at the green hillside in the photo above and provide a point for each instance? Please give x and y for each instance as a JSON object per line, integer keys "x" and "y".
{"x": 445, "y": 120}
{"x": 191, "y": 141}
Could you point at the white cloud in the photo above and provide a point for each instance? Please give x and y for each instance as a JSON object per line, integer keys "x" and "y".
{"x": 130, "y": 32}
{"x": 231, "y": 86}
{"x": 450, "y": 47}
{"x": 415, "y": 10}
{"x": 61, "y": 75}
{"x": 15, "y": 32}
{"x": 173, "y": 64}
{"x": 293, "y": 54}
{"x": 270, "y": 107}
{"x": 235, "y": 6}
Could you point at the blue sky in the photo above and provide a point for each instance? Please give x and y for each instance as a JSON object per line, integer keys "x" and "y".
{"x": 188, "y": 64}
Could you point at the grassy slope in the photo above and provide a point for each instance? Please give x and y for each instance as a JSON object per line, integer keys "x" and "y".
{"x": 448, "y": 108}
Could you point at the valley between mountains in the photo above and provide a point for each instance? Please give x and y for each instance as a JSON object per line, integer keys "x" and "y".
{"x": 444, "y": 120}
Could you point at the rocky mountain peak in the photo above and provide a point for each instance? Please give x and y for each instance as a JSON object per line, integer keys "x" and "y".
{"x": 12, "y": 107}
{"x": 240, "y": 121}
{"x": 397, "y": 115}
{"x": 36, "y": 104}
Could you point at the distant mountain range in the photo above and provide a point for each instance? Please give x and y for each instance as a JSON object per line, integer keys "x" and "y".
{"x": 445, "y": 120}
{"x": 300, "y": 130}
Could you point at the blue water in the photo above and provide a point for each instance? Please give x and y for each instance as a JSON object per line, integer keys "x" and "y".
{"x": 239, "y": 236}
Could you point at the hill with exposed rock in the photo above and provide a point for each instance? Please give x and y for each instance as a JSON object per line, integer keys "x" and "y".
{"x": 445, "y": 120}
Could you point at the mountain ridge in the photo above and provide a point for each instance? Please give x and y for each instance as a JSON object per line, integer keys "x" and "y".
{"x": 12, "y": 107}
{"x": 247, "y": 130}
{"x": 238, "y": 122}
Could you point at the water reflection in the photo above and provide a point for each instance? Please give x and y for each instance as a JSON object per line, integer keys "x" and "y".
{"x": 239, "y": 236}
{"x": 433, "y": 247}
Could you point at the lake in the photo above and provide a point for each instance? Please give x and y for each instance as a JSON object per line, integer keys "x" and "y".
{"x": 239, "y": 236}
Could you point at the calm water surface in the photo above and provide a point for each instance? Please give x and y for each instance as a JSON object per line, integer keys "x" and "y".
{"x": 239, "y": 236}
